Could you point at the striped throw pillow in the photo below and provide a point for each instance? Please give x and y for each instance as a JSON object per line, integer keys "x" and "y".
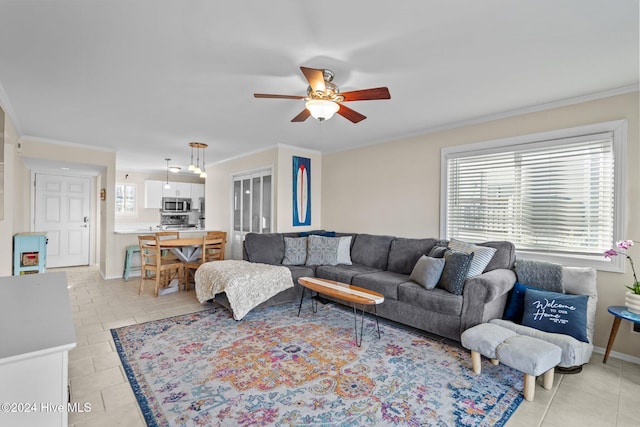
{"x": 481, "y": 255}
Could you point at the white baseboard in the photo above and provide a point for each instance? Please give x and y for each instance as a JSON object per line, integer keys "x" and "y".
{"x": 617, "y": 355}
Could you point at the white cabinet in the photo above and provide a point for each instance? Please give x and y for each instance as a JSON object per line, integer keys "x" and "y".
{"x": 153, "y": 194}
{"x": 197, "y": 191}
{"x": 37, "y": 330}
{"x": 178, "y": 189}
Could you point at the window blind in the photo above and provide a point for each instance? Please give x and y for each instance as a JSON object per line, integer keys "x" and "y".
{"x": 549, "y": 196}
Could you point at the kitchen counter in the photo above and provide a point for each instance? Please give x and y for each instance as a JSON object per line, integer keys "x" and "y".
{"x": 156, "y": 229}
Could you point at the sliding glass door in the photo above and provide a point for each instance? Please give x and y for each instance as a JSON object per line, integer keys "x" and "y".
{"x": 252, "y": 206}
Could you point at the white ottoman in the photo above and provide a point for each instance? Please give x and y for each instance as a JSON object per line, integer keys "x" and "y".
{"x": 529, "y": 355}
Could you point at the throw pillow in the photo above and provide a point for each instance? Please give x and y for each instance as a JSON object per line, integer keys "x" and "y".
{"x": 427, "y": 271}
{"x": 295, "y": 251}
{"x": 344, "y": 250}
{"x": 322, "y": 250}
{"x": 482, "y": 255}
{"x": 515, "y": 307}
{"x": 556, "y": 313}
{"x": 437, "y": 252}
{"x": 456, "y": 267}
{"x": 317, "y": 233}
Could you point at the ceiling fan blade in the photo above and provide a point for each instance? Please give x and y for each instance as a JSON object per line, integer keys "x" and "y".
{"x": 266, "y": 95}
{"x": 350, "y": 114}
{"x": 315, "y": 78}
{"x": 367, "y": 94}
{"x": 304, "y": 115}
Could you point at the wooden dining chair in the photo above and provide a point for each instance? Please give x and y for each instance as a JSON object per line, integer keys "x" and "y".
{"x": 213, "y": 244}
{"x": 155, "y": 266}
{"x": 167, "y": 255}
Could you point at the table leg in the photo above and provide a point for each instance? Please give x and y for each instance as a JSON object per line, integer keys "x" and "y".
{"x": 375, "y": 311}
{"x": 612, "y": 337}
{"x": 301, "y": 298}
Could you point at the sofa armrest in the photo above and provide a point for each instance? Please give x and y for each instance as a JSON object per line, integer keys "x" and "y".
{"x": 485, "y": 296}
{"x": 488, "y": 286}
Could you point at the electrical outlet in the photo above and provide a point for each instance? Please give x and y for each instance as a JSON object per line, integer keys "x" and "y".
{"x": 635, "y": 327}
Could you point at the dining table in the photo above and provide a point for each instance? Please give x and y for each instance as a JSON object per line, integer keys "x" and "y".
{"x": 187, "y": 249}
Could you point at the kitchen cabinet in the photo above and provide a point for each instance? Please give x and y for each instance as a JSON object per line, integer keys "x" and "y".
{"x": 197, "y": 191}
{"x": 153, "y": 194}
{"x": 178, "y": 189}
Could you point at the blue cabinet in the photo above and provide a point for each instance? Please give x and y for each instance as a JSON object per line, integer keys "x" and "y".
{"x": 29, "y": 253}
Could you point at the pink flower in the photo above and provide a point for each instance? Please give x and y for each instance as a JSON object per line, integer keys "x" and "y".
{"x": 609, "y": 253}
{"x": 624, "y": 244}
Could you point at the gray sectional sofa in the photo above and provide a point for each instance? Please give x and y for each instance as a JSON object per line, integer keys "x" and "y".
{"x": 384, "y": 264}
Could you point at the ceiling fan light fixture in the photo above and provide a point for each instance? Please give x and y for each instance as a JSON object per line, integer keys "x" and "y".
{"x": 322, "y": 109}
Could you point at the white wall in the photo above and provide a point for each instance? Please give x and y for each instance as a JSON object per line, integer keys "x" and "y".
{"x": 6, "y": 223}
{"x": 110, "y": 263}
{"x": 394, "y": 188}
{"x": 144, "y": 215}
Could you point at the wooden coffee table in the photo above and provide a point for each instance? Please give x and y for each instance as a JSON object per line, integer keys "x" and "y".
{"x": 344, "y": 292}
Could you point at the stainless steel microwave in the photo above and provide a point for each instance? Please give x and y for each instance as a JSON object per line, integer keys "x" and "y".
{"x": 175, "y": 204}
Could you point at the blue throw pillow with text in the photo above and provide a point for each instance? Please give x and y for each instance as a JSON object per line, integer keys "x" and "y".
{"x": 557, "y": 313}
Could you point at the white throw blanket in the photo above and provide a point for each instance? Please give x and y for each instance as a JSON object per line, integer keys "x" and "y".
{"x": 246, "y": 284}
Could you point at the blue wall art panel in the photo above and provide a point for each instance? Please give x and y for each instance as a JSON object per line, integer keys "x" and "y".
{"x": 301, "y": 191}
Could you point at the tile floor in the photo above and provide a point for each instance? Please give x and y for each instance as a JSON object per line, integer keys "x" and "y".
{"x": 602, "y": 395}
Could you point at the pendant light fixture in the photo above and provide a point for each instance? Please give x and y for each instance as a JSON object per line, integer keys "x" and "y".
{"x": 191, "y": 167}
{"x": 203, "y": 174}
{"x": 196, "y": 167}
{"x": 166, "y": 185}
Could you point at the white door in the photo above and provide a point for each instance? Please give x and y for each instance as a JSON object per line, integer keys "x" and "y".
{"x": 62, "y": 211}
{"x": 252, "y": 207}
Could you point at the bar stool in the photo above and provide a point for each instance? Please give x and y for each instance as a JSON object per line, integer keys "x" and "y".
{"x": 131, "y": 249}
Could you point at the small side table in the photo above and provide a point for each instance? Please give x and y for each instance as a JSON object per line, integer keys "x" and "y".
{"x": 619, "y": 312}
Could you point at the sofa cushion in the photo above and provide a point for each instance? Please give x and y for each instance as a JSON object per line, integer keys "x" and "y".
{"x": 295, "y": 251}
{"x": 371, "y": 251}
{"x": 404, "y": 253}
{"x": 298, "y": 271}
{"x": 427, "y": 271}
{"x": 456, "y": 266}
{"x": 383, "y": 282}
{"x": 504, "y": 257}
{"x": 322, "y": 250}
{"x": 342, "y": 273}
{"x": 436, "y": 300}
{"x": 266, "y": 248}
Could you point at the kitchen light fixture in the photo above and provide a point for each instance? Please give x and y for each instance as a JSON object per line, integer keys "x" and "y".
{"x": 174, "y": 169}
{"x": 167, "y": 186}
{"x": 322, "y": 109}
{"x": 196, "y": 168}
{"x": 203, "y": 174}
{"x": 191, "y": 167}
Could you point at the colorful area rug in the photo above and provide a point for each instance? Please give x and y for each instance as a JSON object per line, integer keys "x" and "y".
{"x": 275, "y": 369}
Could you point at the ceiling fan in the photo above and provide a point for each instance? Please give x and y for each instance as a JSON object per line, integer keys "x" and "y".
{"x": 324, "y": 98}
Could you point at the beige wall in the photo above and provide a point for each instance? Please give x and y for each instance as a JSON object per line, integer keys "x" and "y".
{"x": 394, "y": 188}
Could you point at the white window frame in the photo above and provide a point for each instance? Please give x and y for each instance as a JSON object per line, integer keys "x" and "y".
{"x": 135, "y": 201}
{"x": 619, "y": 130}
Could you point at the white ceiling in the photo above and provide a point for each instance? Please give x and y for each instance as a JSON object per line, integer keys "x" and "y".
{"x": 145, "y": 77}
